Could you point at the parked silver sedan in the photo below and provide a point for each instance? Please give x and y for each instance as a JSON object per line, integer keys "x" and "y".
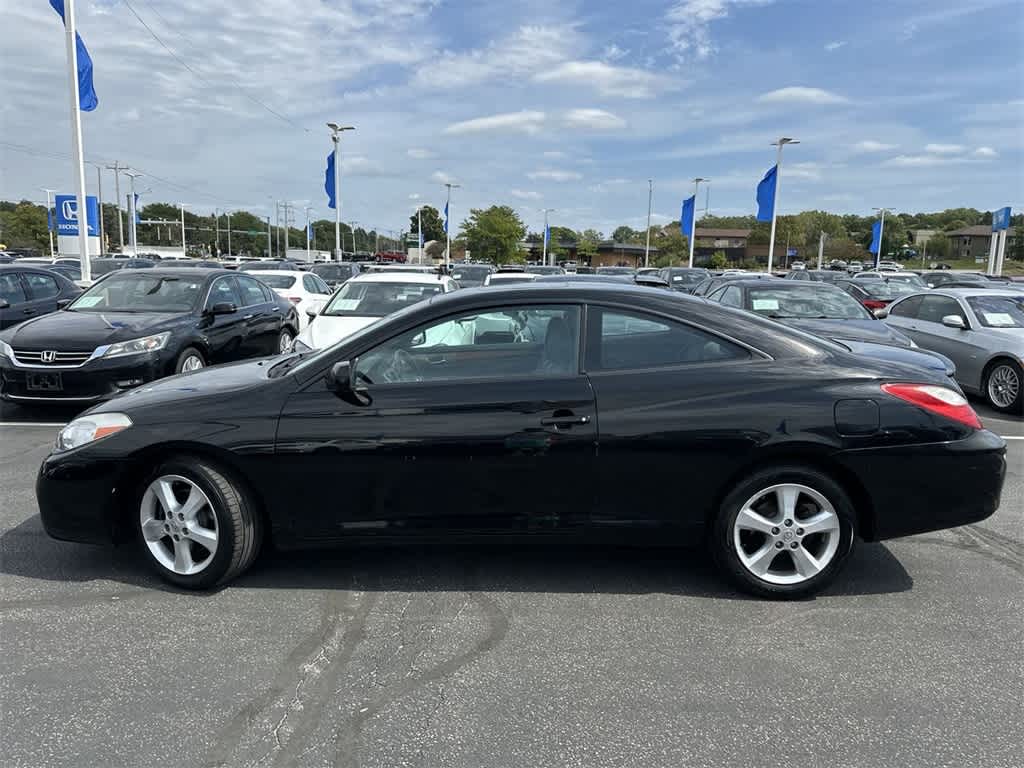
{"x": 980, "y": 329}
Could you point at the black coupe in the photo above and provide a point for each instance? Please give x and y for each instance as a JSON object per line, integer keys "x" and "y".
{"x": 562, "y": 408}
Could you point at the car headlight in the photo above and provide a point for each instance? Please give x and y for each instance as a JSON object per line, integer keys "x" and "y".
{"x": 138, "y": 346}
{"x": 6, "y": 351}
{"x": 88, "y": 429}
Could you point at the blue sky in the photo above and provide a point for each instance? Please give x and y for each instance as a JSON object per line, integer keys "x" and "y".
{"x": 572, "y": 106}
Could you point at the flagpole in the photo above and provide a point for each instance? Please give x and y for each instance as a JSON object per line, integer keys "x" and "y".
{"x": 132, "y": 212}
{"x": 309, "y": 254}
{"x": 76, "y": 139}
{"x": 448, "y": 225}
{"x": 419, "y": 231}
{"x": 51, "y": 218}
{"x": 336, "y": 131}
{"x": 693, "y": 218}
{"x": 775, "y": 195}
{"x": 647, "y": 246}
{"x": 881, "y": 234}
{"x": 117, "y": 201}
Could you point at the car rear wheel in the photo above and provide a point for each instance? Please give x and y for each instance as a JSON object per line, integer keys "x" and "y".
{"x": 784, "y": 532}
{"x": 191, "y": 359}
{"x": 197, "y": 526}
{"x": 1004, "y": 386}
{"x": 284, "y": 341}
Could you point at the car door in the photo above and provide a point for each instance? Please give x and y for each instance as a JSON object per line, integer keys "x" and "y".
{"x": 478, "y": 422}
{"x": 958, "y": 344}
{"x": 262, "y": 316}
{"x": 662, "y": 388}
{"x": 225, "y": 333}
{"x": 14, "y": 294}
{"x": 902, "y": 316}
{"x": 43, "y": 290}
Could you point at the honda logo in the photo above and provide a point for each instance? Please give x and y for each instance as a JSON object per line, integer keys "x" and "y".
{"x": 69, "y": 210}
{"x": 48, "y": 355}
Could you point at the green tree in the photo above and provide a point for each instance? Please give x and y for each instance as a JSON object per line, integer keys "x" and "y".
{"x": 718, "y": 260}
{"x": 493, "y": 233}
{"x": 937, "y": 248}
{"x": 433, "y": 224}
{"x": 955, "y": 224}
{"x": 563, "y": 234}
{"x": 25, "y": 226}
{"x": 673, "y": 249}
{"x": 1015, "y": 248}
{"x": 625, "y": 234}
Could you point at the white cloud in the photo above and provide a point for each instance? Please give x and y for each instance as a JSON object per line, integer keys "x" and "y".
{"x": 607, "y": 79}
{"x": 526, "y": 121}
{"x": 870, "y": 145}
{"x": 525, "y": 194}
{"x": 986, "y": 152}
{"x": 944, "y": 149}
{"x": 613, "y": 53}
{"x": 835, "y": 45}
{"x": 417, "y": 153}
{"x": 920, "y": 161}
{"x": 414, "y": 196}
{"x": 559, "y": 176}
{"x": 554, "y": 154}
{"x": 593, "y": 120}
{"x": 689, "y": 21}
{"x": 442, "y": 177}
{"x": 807, "y": 171}
{"x": 798, "y": 94}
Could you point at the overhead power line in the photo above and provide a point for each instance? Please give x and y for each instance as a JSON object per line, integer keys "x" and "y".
{"x": 202, "y": 77}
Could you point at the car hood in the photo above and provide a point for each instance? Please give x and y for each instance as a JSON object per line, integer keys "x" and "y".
{"x": 874, "y": 331}
{"x": 933, "y": 361}
{"x": 326, "y": 330}
{"x": 88, "y": 330}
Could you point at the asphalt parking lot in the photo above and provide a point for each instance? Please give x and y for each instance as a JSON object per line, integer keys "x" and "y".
{"x": 488, "y": 655}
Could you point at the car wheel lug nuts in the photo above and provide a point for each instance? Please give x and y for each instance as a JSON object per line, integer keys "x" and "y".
{"x": 799, "y": 531}
{"x": 778, "y": 545}
{"x": 789, "y": 522}
{"x": 181, "y": 516}
{"x": 794, "y": 545}
{"x": 775, "y": 531}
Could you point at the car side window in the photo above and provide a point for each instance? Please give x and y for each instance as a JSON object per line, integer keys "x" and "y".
{"x": 11, "y": 288}
{"x": 41, "y": 286}
{"x": 619, "y": 340}
{"x": 934, "y": 308}
{"x": 321, "y": 286}
{"x": 223, "y": 292}
{"x": 732, "y": 297}
{"x": 909, "y": 307}
{"x": 250, "y": 291}
{"x": 508, "y": 341}
{"x": 716, "y": 295}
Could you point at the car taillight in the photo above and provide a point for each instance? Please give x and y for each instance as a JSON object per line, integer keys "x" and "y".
{"x": 294, "y": 299}
{"x": 935, "y": 399}
{"x": 874, "y": 303}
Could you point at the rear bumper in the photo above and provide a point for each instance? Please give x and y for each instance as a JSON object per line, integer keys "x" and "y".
{"x": 920, "y": 488}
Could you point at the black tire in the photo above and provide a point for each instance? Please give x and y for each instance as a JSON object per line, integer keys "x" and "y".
{"x": 723, "y": 546}
{"x": 1017, "y": 405}
{"x": 284, "y": 339}
{"x": 240, "y": 526}
{"x": 186, "y": 354}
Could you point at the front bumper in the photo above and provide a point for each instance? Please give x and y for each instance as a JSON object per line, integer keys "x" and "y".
{"x": 919, "y": 488}
{"x": 79, "y": 496}
{"x": 96, "y": 380}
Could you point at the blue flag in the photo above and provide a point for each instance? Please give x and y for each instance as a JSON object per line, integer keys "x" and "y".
{"x": 329, "y": 180}
{"x": 309, "y": 230}
{"x": 547, "y": 234}
{"x": 686, "y": 218}
{"x": 87, "y": 99}
{"x": 766, "y": 194}
{"x": 876, "y": 231}
{"x": 446, "y": 218}
{"x": 138, "y": 218}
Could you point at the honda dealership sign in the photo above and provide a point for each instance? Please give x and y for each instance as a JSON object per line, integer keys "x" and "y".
{"x": 67, "y": 215}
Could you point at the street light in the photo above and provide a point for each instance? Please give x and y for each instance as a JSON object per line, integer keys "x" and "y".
{"x": 49, "y": 225}
{"x": 336, "y": 131}
{"x": 132, "y": 175}
{"x": 647, "y": 247}
{"x": 775, "y": 197}
{"x": 447, "y": 224}
{"x": 184, "y": 251}
{"x": 544, "y": 256}
{"x": 353, "y": 228}
{"x": 693, "y": 225}
{"x": 99, "y": 200}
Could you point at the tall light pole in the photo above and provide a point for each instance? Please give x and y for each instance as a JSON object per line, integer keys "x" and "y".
{"x": 70, "y": 39}
{"x": 336, "y": 131}
{"x": 783, "y": 141}
{"x": 647, "y": 246}
{"x": 419, "y": 232}
{"x": 216, "y": 227}
{"x": 693, "y": 225}
{"x": 881, "y": 233}
{"x": 309, "y": 254}
{"x": 132, "y": 175}
{"x": 228, "y": 214}
{"x": 448, "y": 224}
{"x": 99, "y": 199}
{"x": 269, "y": 237}
{"x": 184, "y": 251}
{"x": 117, "y": 199}
{"x": 544, "y": 256}
{"x": 353, "y": 227}
{"x": 50, "y": 222}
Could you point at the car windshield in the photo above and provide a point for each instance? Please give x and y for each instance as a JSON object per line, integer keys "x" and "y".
{"x": 509, "y": 278}
{"x": 616, "y": 271}
{"x": 535, "y": 270}
{"x": 276, "y": 281}
{"x": 140, "y": 292}
{"x": 332, "y": 271}
{"x": 884, "y": 289}
{"x": 376, "y": 299}
{"x": 103, "y": 267}
{"x": 914, "y": 280}
{"x": 471, "y": 273}
{"x": 998, "y": 311}
{"x": 686, "y": 276}
{"x": 806, "y": 302}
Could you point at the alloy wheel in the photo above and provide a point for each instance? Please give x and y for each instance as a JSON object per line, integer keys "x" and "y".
{"x": 1003, "y": 386}
{"x": 285, "y": 342}
{"x": 786, "y": 534}
{"x": 179, "y": 525}
{"x": 192, "y": 363}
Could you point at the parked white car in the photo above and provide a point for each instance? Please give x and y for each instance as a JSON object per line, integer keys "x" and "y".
{"x": 507, "y": 278}
{"x": 366, "y": 298}
{"x": 306, "y": 291}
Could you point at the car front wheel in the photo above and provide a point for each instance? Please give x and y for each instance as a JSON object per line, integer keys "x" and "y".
{"x": 1004, "y": 386}
{"x": 284, "y": 341}
{"x": 197, "y": 526}
{"x": 784, "y": 532}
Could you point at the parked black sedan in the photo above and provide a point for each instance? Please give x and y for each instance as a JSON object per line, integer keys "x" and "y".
{"x": 558, "y": 406}
{"x": 135, "y": 326}
{"x": 27, "y": 292}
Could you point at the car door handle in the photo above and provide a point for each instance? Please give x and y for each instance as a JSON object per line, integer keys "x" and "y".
{"x": 275, "y": 309}
{"x": 249, "y": 317}
{"x": 28, "y": 311}
{"x": 568, "y": 420}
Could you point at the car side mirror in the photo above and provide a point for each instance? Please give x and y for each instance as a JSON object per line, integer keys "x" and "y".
{"x": 311, "y": 313}
{"x": 223, "y": 308}
{"x": 5, "y": 304}
{"x": 881, "y": 313}
{"x": 954, "y": 321}
{"x": 63, "y": 303}
{"x": 341, "y": 381}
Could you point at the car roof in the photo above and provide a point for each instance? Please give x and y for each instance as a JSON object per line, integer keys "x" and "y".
{"x": 964, "y": 293}
{"x": 786, "y": 285}
{"x": 15, "y": 266}
{"x": 279, "y": 272}
{"x": 416, "y": 278}
{"x": 163, "y": 271}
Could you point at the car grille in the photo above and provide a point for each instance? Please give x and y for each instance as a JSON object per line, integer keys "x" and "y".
{"x": 35, "y": 357}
